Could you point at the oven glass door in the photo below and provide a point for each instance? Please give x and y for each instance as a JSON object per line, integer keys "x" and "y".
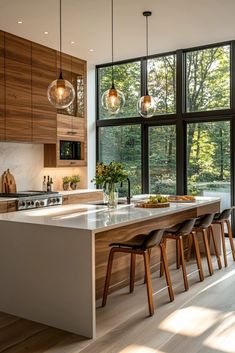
{"x": 70, "y": 150}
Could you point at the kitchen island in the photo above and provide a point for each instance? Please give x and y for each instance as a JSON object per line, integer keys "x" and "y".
{"x": 53, "y": 260}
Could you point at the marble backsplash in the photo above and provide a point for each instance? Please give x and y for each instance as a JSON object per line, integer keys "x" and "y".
{"x": 26, "y": 163}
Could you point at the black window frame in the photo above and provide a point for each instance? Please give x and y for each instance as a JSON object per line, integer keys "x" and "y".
{"x": 181, "y": 118}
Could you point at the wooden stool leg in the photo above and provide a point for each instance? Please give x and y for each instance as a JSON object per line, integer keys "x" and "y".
{"x": 148, "y": 283}
{"x": 211, "y": 230}
{"x": 167, "y": 273}
{"x": 223, "y": 244}
{"x": 190, "y": 243}
{"x": 132, "y": 272}
{"x": 161, "y": 263}
{"x": 230, "y": 234}
{"x": 198, "y": 256}
{"x": 149, "y": 254}
{"x": 207, "y": 251}
{"x": 178, "y": 254}
{"x": 108, "y": 275}
{"x": 181, "y": 247}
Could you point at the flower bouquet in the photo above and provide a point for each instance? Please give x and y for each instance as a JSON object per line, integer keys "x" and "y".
{"x": 108, "y": 175}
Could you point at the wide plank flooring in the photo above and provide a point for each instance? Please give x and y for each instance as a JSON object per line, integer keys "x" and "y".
{"x": 201, "y": 320}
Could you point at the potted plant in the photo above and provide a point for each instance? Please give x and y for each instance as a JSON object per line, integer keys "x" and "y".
{"x": 74, "y": 180}
{"x": 65, "y": 181}
{"x": 108, "y": 175}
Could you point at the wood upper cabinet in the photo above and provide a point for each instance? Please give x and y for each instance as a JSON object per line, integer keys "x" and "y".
{"x": 44, "y": 114}
{"x": 2, "y": 88}
{"x": 26, "y": 70}
{"x": 70, "y": 128}
{"x": 18, "y": 97}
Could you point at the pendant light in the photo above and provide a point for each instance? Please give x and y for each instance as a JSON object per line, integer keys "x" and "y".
{"x": 60, "y": 92}
{"x": 112, "y": 100}
{"x": 146, "y": 104}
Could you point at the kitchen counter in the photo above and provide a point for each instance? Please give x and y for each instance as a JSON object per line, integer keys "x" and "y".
{"x": 99, "y": 218}
{"x": 53, "y": 260}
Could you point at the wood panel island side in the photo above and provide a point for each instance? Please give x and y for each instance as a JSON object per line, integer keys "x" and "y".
{"x": 53, "y": 260}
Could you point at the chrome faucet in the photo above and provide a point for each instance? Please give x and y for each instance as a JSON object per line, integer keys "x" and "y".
{"x": 128, "y": 199}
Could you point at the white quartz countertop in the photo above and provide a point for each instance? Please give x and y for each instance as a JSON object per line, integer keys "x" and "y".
{"x": 98, "y": 218}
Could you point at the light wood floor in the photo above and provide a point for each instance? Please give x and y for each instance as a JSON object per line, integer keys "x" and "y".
{"x": 201, "y": 320}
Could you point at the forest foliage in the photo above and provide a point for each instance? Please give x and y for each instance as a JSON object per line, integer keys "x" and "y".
{"x": 207, "y": 87}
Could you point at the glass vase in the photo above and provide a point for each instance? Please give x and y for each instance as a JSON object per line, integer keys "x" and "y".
{"x": 111, "y": 195}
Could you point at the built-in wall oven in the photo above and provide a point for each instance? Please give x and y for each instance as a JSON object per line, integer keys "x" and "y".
{"x": 70, "y": 150}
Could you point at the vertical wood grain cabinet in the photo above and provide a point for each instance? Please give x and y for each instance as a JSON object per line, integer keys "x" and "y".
{"x": 18, "y": 98}
{"x": 2, "y": 88}
{"x": 44, "y": 115}
{"x": 26, "y": 70}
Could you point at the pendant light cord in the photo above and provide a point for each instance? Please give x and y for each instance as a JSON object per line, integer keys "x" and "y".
{"x": 60, "y": 40}
{"x": 147, "y": 53}
{"x": 112, "y": 40}
{"x": 147, "y": 38}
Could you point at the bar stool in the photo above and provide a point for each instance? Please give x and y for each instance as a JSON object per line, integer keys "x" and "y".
{"x": 140, "y": 244}
{"x": 178, "y": 233}
{"x": 204, "y": 225}
{"x": 222, "y": 219}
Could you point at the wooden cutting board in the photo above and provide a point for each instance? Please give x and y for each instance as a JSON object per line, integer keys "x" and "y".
{"x": 8, "y": 182}
{"x": 153, "y": 205}
{"x": 4, "y": 182}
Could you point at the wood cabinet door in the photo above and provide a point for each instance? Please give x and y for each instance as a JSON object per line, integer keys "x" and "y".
{"x": 2, "y": 88}
{"x": 70, "y": 128}
{"x": 18, "y": 89}
{"x": 44, "y": 114}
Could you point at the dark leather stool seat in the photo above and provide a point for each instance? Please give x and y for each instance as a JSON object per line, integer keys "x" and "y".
{"x": 178, "y": 232}
{"x": 140, "y": 244}
{"x": 204, "y": 225}
{"x": 222, "y": 219}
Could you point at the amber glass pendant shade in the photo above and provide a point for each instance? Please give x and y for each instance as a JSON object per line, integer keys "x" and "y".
{"x": 61, "y": 93}
{"x": 146, "y": 106}
{"x": 113, "y": 100}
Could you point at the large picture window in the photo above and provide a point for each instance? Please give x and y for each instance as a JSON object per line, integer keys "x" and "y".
{"x": 127, "y": 79}
{"x": 208, "y": 79}
{"x": 208, "y": 160}
{"x": 162, "y": 83}
{"x": 123, "y": 144}
{"x": 162, "y": 159}
{"x": 187, "y": 146}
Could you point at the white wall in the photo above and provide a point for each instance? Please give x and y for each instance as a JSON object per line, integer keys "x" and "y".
{"x": 26, "y": 162}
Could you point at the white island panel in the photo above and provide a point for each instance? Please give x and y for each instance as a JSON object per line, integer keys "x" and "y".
{"x": 47, "y": 275}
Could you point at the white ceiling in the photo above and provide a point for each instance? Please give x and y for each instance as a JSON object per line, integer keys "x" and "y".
{"x": 174, "y": 24}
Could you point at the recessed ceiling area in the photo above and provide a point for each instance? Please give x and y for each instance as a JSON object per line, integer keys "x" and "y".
{"x": 86, "y": 28}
